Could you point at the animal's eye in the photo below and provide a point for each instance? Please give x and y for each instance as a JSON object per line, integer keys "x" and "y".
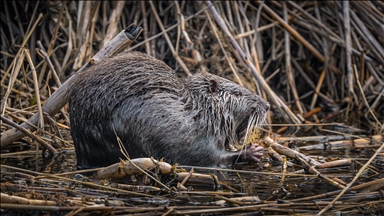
{"x": 238, "y": 93}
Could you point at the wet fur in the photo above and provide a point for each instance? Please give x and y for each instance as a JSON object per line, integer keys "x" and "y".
{"x": 155, "y": 113}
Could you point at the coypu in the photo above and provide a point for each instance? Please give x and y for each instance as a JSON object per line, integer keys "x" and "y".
{"x": 155, "y": 113}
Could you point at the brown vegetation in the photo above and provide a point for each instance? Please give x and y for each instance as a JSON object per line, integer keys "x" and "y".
{"x": 319, "y": 64}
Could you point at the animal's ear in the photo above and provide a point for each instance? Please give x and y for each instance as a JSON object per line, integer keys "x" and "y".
{"x": 213, "y": 86}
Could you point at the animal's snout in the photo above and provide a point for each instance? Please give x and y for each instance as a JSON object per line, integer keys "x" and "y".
{"x": 264, "y": 106}
{"x": 261, "y": 105}
{"x": 267, "y": 106}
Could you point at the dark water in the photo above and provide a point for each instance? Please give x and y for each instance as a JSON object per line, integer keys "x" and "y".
{"x": 262, "y": 180}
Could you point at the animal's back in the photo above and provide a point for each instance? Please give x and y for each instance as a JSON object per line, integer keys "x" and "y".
{"x": 121, "y": 94}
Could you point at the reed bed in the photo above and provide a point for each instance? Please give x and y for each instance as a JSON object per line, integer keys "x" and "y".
{"x": 318, "y": 63}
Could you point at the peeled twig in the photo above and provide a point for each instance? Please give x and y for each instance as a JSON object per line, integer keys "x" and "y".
{"x": 132, "y": 167}
{"x": 336, "y": 163}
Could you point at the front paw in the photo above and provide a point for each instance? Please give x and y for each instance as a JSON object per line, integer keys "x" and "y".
{"x": 253, "y": 153}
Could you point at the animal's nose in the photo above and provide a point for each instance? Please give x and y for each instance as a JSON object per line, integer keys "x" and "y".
{"x": 267, "y": 106}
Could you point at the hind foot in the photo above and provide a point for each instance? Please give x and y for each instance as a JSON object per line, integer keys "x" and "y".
{"x": 253, "y": 153}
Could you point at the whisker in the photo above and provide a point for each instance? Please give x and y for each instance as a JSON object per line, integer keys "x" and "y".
{"x": 249, "y": 126}
{"x": 247, "y": 134}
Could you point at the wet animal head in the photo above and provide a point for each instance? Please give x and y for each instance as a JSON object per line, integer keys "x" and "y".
{"x": 226, "y": 107}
